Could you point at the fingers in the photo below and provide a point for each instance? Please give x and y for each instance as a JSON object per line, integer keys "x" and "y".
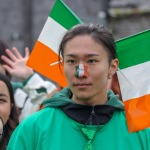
{"x": 8, "y": 69}
{"x": 7, "y": 61}
{"x": 16, "y": 53}
{"x": 27, "y": 53}
{"x": 10, "y": 55}
{"x": 13, "y": 56}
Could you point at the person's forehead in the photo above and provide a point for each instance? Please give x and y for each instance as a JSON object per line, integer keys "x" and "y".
{"x": 4, "y": 91}
{"x": 4, "y": 86}
{"x": 83, "y": 42}
{"x": 85, "y": 52}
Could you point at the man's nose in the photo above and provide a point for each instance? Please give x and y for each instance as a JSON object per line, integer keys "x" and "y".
{"x": 81, "y": 71}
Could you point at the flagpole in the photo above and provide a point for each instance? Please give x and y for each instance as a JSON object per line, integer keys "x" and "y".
{"x": 55, "y": 63}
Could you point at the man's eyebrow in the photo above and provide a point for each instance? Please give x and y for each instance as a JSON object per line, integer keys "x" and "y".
{"x": 71, "y": 55}
{"x": 91, "y": 55}
{"x": 86, "y": 55}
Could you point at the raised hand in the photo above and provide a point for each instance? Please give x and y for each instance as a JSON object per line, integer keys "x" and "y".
{"x": 16, "y": 63}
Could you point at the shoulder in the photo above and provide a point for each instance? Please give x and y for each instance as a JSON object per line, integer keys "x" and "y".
{"x": 39, "y": 116}
{"x": 31, "y": 129}
{"x": 36, "y": 120}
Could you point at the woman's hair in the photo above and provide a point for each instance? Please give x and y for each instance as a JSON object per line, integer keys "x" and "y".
{"x": 13, "y": 120}
{"x": 97, "y": 32}
{"x": 3, "y": 47}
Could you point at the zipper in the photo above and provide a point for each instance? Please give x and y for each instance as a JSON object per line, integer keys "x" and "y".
{"x": 92, "y": 115}
{"x": 93, "y": 111}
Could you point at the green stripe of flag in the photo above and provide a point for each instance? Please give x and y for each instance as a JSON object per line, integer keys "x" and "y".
{"x": 133, "y": 50}
{"x": 63, "y": 15}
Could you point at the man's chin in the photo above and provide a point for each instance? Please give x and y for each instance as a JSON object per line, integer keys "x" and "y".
{"x": 81, "y": 97}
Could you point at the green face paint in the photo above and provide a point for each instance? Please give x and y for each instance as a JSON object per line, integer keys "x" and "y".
{"x": 81, "y": 71}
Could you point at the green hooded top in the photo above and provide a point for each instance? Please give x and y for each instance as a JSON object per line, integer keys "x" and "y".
{"x": 64, "y": 98}
{"x": 52, "y": 129}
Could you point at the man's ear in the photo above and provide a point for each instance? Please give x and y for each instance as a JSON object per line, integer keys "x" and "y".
{"x": 113, "y": 67}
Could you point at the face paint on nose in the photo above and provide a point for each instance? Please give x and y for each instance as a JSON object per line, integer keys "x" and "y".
{"x": 81, "y": 71}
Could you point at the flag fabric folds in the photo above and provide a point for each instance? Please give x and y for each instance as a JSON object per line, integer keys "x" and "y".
{"x": 134, "y": 78}
{"x": 45, "y": 52}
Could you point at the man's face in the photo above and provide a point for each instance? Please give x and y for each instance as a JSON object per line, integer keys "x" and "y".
{"x": 89, "y": 90}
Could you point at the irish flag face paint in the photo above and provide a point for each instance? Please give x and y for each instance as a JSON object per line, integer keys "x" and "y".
{"x": 81, "y": 71}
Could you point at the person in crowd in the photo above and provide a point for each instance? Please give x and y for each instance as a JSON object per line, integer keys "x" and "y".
{"x": 84, "y": 115}
{"x": 9, "y": 113}
{"x": 33, "y": 89}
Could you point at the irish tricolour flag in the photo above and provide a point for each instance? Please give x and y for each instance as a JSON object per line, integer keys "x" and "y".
{"x": 134, "y": 77}
{"x": 45, "y": 51}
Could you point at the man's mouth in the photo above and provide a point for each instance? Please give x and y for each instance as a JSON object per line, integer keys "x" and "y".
{"x": 81, "y": 85}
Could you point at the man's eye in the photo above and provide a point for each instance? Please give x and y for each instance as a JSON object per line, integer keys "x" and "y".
{"x": 71, "y": 61}
{"x": 91, "y": 61}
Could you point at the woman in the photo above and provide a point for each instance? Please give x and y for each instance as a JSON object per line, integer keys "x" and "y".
{"x": 8, "y": 111}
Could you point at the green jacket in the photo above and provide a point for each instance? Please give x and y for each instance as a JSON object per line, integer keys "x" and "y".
{"x": 52, "y": 129}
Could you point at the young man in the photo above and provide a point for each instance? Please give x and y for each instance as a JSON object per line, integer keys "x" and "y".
{"x": 83, "y": 116}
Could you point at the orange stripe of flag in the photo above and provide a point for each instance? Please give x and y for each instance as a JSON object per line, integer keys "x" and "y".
{"x": 138, "y": 113}
{"x": 40, "y": 60}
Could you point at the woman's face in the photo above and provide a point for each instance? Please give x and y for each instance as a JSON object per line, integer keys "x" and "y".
{"x": 90, "y": 90}
{"x": 5, "y": 104}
